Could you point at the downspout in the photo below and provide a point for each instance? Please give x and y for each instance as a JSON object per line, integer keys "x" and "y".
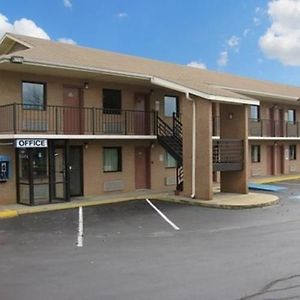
{"x": 193, "y": 145}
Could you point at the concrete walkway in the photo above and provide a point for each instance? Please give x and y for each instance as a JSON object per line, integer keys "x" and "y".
{"x": 221, "y": 200}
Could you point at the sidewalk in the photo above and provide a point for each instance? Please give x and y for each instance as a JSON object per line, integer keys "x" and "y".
{"x": 221, "y": 200}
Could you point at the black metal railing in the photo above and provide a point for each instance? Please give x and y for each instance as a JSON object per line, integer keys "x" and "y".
{"x": 265, "y": 128}
{"x": 228, "y": 155}
{"x": 171, "y": 141}
{"x": 20, "y": 118}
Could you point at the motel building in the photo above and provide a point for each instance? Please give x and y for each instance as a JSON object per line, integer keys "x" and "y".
{"x": 80, "y": 122}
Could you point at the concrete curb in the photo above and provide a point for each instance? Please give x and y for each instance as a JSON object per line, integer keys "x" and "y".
{"x": 207, "y": 204}
{"x": 10, "y": 213}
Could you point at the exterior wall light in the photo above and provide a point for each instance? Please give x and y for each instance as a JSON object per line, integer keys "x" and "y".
{"x": 86, "y": 85}
{"x": 230, "y": 116}
{"x": 17, "y": 59}
{"x": 157, "y": 105}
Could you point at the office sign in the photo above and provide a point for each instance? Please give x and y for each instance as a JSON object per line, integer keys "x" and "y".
{"x": 31, "y": 143}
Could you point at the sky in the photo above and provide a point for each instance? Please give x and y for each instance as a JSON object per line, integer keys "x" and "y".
{"x": 253, "y": 38}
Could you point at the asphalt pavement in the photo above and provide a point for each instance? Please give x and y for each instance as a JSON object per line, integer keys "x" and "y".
{"x": 130, "y": 251}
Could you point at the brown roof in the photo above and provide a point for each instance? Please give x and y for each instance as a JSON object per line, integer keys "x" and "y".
{"x": 206, "y": 81}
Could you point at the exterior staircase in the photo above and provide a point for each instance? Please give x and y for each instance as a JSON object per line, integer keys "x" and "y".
{"x": 170, "y": 138}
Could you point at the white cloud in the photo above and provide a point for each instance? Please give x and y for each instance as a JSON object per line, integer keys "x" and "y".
{"x": 281, "y": 41}
{"x": 246, "y": 32}
{"x": 233, "y": 42}
{"x": 122, "y": 15}
{"x": 258, "y": 9}
{"x": 67, "y": 41}
{"x": 223, "y": 59}
{"x": 67, "y": 3}
{"x": 197, "y": 64}
{"x": 22, "y": 26}
{"x": 256, "y": 21}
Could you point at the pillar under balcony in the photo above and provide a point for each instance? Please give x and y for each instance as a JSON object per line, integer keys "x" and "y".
{"x": 234, "y": 125}
{"x": 203, "y": 164}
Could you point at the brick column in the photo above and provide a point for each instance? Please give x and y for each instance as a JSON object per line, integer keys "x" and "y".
{"x": 204, "y": 183}
{"x": 235, "y": 128}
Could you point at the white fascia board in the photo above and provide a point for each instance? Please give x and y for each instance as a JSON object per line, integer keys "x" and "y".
{"x": 271, "y": 138}
{"x": 258, "y": 93}
{"x": 77, "y": 137}
{"x": 86, "y": 69}
{"x": 183, "y": 89}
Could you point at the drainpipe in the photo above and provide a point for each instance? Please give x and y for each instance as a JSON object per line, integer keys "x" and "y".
{"x": 193, "y": 145}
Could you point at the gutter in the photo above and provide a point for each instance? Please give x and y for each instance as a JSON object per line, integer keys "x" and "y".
{"x": 193, "y": 146}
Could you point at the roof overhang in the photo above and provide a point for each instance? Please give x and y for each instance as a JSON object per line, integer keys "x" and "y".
{"x": 183, "y": 89}
{"x": 147, "y": 78}
{"x": 260, "y": 93}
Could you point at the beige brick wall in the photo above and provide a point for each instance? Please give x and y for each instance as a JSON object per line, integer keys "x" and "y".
{"x": 8, "y": 189}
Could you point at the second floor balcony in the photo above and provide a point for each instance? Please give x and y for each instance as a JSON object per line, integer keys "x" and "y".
{"x": 25, "y": 119}
{"x": 273, "y": 128}
{"x": 265, "y": 128}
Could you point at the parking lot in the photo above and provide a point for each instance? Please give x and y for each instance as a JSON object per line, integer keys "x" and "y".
{"x": 131, "y": 251}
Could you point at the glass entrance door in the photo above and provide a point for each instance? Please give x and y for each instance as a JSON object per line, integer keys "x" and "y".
{"x": 59, "y": 174}
{"x": 33, "y": 176}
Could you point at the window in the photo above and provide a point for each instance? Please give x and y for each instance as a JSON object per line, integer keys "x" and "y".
{"x": 254, "y": 112}
{"x": 293, "y": 152}
{"x": 291, "y": 116}
{"x": 170, "y": 161}
{"x": 255, "y": 153}
{"x": 39, "y": 163}
{"x": 170, "y": 105}
{"x": 112, "y": 159}
{"x": 33, "y": 95}
{"x": 112, "y": 100}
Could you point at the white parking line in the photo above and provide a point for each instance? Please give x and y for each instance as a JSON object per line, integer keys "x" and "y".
{"x": 162, "y": 215}
{"x": 80, "y": 228}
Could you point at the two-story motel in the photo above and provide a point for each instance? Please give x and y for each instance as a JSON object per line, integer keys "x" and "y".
{"x": 76, "y": 122}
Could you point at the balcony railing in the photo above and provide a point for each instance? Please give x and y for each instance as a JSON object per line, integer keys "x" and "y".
{"x": 265, "y": 128}
{"x": 228, "y": 155}
{"x": 273, "y": 128}
{"x": 19, "y": 118}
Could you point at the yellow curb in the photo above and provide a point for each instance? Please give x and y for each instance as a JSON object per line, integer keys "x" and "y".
{"x": 5, "y": 214}
{"x": 275, "y": 179}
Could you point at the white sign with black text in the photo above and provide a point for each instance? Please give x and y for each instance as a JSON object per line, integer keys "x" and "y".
{"x": 31, "y": 143}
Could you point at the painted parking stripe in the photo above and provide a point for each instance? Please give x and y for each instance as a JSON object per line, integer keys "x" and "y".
{"x": 162, "y": 215}
{"x": 80, "y": 228}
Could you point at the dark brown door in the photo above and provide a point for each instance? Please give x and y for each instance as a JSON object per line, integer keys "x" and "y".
{"x": 281, "y": 123}
{"x": 142, "y": 168}
{"x": 141, "y": 117}
{"x": 279, "y": 159}
{"x": 270, "y": 160}
{"x": 76, "y": 171}
{"x": 71, "y": 111}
